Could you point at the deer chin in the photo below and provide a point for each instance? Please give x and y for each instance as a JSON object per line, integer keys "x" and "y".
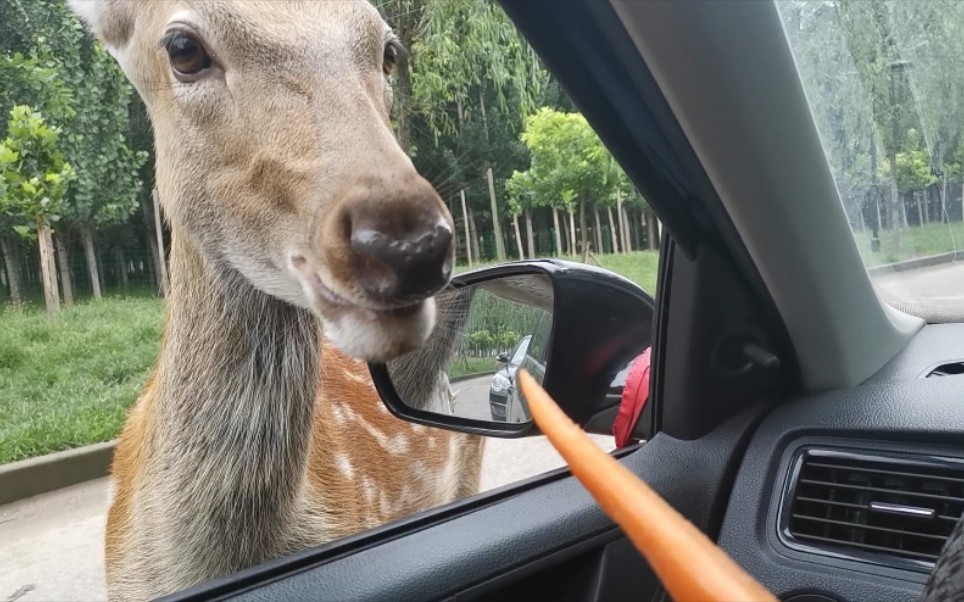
{"x": 373, "y": 332}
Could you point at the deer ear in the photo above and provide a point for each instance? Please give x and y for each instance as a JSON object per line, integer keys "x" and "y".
{"x": 110, "y": 20}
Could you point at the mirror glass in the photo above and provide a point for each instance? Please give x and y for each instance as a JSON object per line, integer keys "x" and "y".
{"x": 484, "y": 334}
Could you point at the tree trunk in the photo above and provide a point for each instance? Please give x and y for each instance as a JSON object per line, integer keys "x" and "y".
{"x": 651, "y": 231}
{"x": 529, "y": 235}
{"x": 626, "y": 245}
{"x": 475, "y": 237}
{"x": 92, "y": 266}
{"x": 160, "y": 241}
{"x": 64, "y": 265}
{"x": 564, "y": 231}
{"x": 583, "y": 229}
{"x": 496, "y": 226}
{"x": 612, "y": 230}
{"x": 880, "y": 221}
{"x": 558, "y": 230}
{"x": 598, "y": 231}
{"x": 121, "y": 263}
{"x": 920, "y": 209}
{"x": 48, "y": 270}
{"x": 572, "y": 232}
{"x": 12, "y": 265}
{"x": 627, "y": 238}
{"x": 518, "y": 236}
{"x": 944, "y": 219}
{"x": 468, "y": 236}
{"x": 148, "y": 216}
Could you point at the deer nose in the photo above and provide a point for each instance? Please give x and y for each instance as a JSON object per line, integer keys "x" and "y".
{"x": 404, "y": 259}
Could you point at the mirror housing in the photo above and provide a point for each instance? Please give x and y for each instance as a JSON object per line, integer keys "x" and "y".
{"x": 600, "y": 322}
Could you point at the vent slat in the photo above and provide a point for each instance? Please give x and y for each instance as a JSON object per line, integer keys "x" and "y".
{"x": 832, "y": 498}
{"x": 930, "y": 496}
{"x": 883, "y": 471}
{"x": 815, "y": 500}
{"x": 864, "y": 546}
{"x": 841, "y": 523}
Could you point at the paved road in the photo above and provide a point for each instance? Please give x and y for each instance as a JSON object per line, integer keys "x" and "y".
{"x": 472, "y": 397}
{"x": 51, "y": 545}
{"x": 942, "y": 283}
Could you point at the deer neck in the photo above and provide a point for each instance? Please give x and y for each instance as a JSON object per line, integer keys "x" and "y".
{"x": 232, "y": 415}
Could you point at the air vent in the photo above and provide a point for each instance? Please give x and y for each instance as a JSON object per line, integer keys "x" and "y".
{"x": 893, "y": 510}
{"x": 949, "y": 369}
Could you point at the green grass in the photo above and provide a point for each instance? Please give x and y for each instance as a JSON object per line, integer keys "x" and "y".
{"x": 69, "y": 382}
{"x": 932, "y": 239}
{"x": 641, "y": 267}
{"x": 472, "y": 365}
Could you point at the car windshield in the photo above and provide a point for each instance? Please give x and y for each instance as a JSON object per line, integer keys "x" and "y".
{"x": 520, "y": 351}
{"x": 885, "y": 86}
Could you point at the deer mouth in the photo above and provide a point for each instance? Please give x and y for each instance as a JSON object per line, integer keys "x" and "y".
{"x": 322, "y": 294}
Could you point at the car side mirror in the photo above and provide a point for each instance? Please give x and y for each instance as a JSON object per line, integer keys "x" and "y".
{"x": 577, "y": 328}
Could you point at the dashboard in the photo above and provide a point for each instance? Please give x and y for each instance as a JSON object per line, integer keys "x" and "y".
{"x": 848, "y": 495}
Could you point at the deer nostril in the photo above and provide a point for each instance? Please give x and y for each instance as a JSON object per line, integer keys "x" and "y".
{"x": 415, "y": 264}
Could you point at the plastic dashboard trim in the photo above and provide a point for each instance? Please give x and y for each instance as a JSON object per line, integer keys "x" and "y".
{"x": 919, "y": 416}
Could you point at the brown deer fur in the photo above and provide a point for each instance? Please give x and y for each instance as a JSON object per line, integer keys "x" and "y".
{"x": 256, "y": 437}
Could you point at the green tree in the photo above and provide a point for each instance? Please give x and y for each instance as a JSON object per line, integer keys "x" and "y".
{"x": 473, "y": 79}
{"x": 570, "y": 167}
{"x": 108, "y": 184}
{"x": 35, "y": 176}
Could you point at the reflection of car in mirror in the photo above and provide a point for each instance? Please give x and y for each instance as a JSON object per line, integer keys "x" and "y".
{"x": 503, "y": 381}
{"x": 506, "y": 404}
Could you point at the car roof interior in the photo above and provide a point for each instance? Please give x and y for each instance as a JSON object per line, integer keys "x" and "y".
{"x": 701, "y": 104}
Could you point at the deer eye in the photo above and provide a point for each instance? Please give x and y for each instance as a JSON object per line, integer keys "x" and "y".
{"x": 392, "y": 51}
{"x": 187, "y": 55}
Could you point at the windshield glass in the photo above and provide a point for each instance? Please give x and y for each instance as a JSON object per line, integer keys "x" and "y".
{"x": 885, "y": 85}
{"x": 520, "y": 351}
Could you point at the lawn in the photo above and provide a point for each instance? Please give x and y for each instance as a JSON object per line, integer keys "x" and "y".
{"x": 932, "y": 239}
{"x": 641, "y": 267}
{"x": 69, "y": 382}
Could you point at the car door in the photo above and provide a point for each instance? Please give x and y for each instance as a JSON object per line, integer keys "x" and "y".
{"x": 545, "y": 538}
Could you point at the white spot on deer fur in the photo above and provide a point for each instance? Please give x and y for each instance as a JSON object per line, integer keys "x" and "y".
{"x": 358, "y": 378}
{"x": 340, "y": 413}
{"x": 369, "y": 491}
{"x": 385, "y": 505}
{"x": 344, "y": 467}
{"x": 395, "y": 445}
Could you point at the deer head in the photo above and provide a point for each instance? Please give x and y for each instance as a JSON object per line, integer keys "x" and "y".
{"x": 276, "y": 156}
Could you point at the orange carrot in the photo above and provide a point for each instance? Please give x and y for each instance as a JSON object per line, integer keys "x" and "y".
{"x": 690, "y": 566}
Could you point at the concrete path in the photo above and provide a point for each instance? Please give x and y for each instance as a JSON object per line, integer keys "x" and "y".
{"x": 942, "y": 283}
{"x": 51, "y": 546}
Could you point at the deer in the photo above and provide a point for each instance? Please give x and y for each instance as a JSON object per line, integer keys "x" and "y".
{"x": 304, "y": 244}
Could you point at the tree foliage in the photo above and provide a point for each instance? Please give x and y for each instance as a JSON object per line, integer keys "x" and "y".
{"x": 33, "y": 172}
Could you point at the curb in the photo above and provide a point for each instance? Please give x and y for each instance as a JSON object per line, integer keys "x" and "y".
{"x": 33, "y": 476}
{"x": 468, "y": 376}
{"x": 913, "y": 264}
